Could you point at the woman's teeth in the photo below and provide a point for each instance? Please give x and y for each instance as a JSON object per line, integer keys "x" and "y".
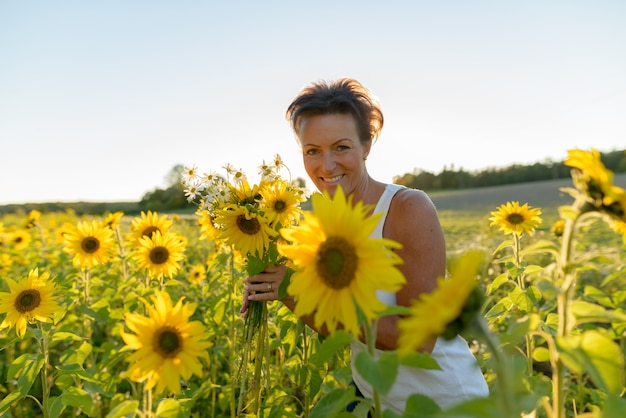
{"x": 332, "y": 179}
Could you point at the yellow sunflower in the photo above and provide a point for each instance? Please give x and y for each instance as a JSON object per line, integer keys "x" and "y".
{"x": 208, "y": 230}
{"x": 432, "y": 312}
{"x": 614, "y": 203}
{"x": 338, "y": 266}
{"x": 5, "y": 263}
{"x": 160, "y": 254}
{"x": 33, "y": 218}
{"x": 197, "y": 273}
{"x": 281, "y": 202}
{"x": 147, "y": 224}
{"x": 168, "y": 346}
{"x": 62, "y": 231}
{"x": 242, "y": 193}
{"x": 31, "y": 299}
{"x": 592, "y": 177}
{"x": 90, "y": 242}
{"x": 558, "y": 227}
{"x": 515, "y": 219}
{"x": 20, "y": 239}
{"x": 244, "y": 229}
{"x": 112, "y": 220}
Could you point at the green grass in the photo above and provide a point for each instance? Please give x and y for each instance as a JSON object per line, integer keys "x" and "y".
{"x": 464, "y": 214}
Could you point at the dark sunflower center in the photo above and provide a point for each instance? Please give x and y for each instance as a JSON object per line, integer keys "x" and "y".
{"x": 90, "y": 245}
{"x": 248, "y": 226}
{"x": 18, "y": 240}
{"x": 515, "y": 219}
{"x": 167, "y": 341}
{"x": 280, "y": 206}
{"x": 159, "y": 255}
{"x": 27, "y": 300}
{"x": 149, "y": 231}
{"x": 336, "y": 262}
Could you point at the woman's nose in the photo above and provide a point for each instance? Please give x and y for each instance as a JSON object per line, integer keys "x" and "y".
{"x": 329, "y": 161}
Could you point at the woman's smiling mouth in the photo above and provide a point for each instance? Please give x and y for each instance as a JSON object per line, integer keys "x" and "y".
{"x": 332, "y": 179}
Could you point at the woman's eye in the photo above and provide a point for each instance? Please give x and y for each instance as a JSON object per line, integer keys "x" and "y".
{"x": 343, "y": 147}
{"x": 311, "y": 152}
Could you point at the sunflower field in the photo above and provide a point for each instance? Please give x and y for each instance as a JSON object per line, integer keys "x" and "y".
{"x": 125, "y": 315}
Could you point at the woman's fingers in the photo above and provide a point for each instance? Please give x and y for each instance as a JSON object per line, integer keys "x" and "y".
{"x": 244, "y": 307}
{"x": 262, "y": 286}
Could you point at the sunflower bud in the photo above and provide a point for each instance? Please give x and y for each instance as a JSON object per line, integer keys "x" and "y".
{"x": 471, "y": 308}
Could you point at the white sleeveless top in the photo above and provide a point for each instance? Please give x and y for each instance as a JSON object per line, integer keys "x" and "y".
{"x": 460, "y": 377}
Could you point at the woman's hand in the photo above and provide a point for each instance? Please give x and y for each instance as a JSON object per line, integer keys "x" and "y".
{"x": 263, "y": 286}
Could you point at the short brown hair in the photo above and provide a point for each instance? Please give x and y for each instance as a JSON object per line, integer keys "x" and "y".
{"x": 344, "y": 96}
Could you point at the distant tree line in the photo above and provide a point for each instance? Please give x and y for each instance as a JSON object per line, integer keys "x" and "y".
{"x": 169, "y": 198}
{"x": 450, "y": 179}
{"x": 172, "y": 196}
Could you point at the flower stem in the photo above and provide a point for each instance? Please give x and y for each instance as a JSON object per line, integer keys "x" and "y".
{"x": 370, "y": 339}
{"x": 118, "y": 238}
{"x": 563, "y": 311}
{"x": 147, "y": 401}
{"x": 86, "y": 286}
{"x": 259, "y": 355}
{"x": 45, "y": 389}
{"x": 305, "y": 364}
{"x": 518, "y": 260}
{"x": 87, "y": 328}
{"x": 521, "y": 283}
{"x": 503, "y": 377}
{"x": 233, "y": 338}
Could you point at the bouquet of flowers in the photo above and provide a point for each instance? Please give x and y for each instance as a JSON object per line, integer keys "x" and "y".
{"x": 247, "y": 217}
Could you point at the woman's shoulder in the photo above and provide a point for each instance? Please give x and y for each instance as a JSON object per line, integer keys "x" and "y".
{"x": 412, "y": 199}
{"x": 413, "y": 218}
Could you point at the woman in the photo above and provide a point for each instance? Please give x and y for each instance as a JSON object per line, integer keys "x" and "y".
{"x": 336, "y": 124}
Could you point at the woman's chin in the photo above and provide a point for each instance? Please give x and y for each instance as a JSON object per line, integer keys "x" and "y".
{"x": 328, "y": 187}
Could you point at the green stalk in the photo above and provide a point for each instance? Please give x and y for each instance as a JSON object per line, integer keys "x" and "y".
{"x": 518, "y": 260}
{"x": 503, "y": 378}
{"x": 233, "y": 337}
{"x": 243, "y": 377}
{"x": 118, "y": 238}
{"x": 259, "y": 355}
{"x": 255, "y": 329}
{"x": 370, "y": 339}
{"x": 147, "y": 401}
{"x": 305, "y": 364}
{"x": 86, "y": 275}
{"x": 520, "y": 281}
{"x": 563, "y": 311}
{"x": 86, "y": 286}
{"x": 45, "y": 389}
{"x": 213, "y": 392}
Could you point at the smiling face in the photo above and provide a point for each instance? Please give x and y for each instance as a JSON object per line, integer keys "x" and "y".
{"x": 332, "y": 152}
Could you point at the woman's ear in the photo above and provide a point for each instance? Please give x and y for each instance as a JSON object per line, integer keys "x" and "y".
{"x": 366, "y": 150}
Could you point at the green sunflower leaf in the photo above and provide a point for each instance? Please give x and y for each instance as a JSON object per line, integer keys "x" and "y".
{"x": 77, "y": 397}
{"x": 123, "y": 409}
{"x": 9, "y": 400}
{"x": 333, "y": 403}
{"x": 170, "y": 408}
{"x": 597, "y": 355}
{"x": 27, "y": 366}
{"x": 381, "y": 372}
{"x": 331, "y": 345}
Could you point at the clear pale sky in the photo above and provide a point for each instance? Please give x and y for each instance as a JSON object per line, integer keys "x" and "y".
{"x": 99, "y": 100}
